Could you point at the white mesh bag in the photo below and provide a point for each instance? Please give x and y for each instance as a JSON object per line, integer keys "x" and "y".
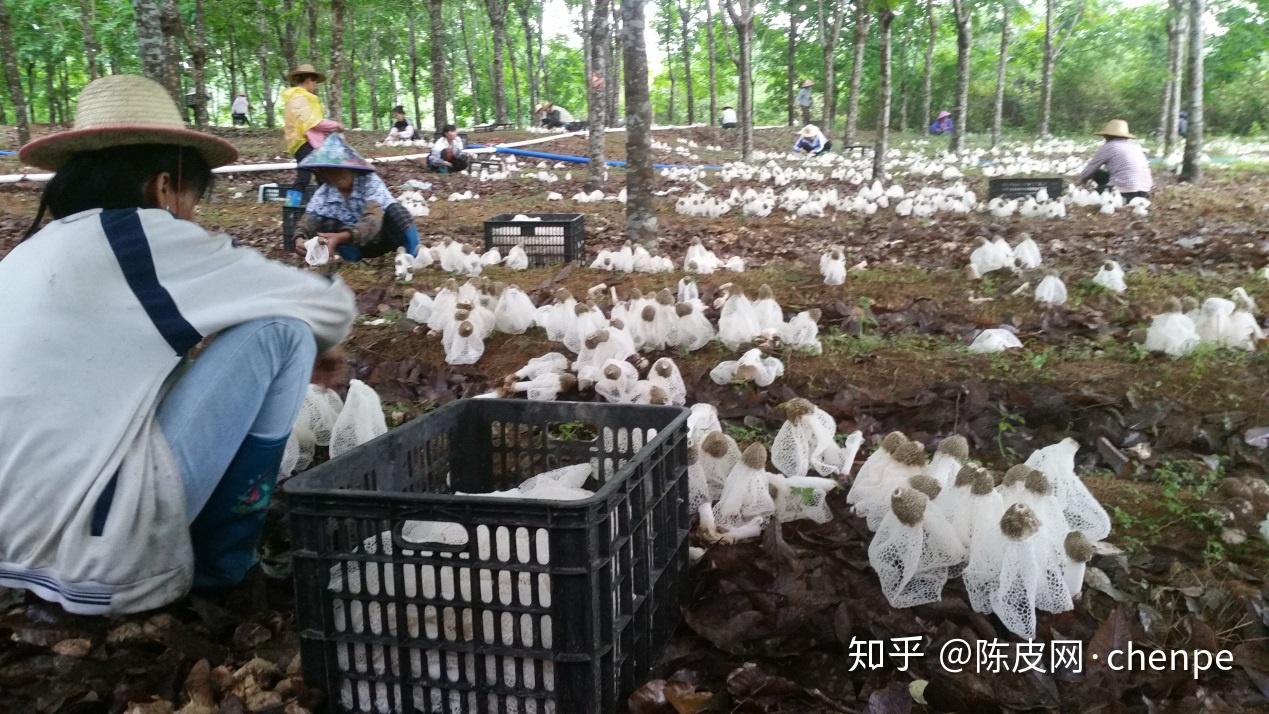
{"x": 698, "y": 488}
{"x": 868, "y": 479}
{"x": 1212, "y": 323}
{"x": 911, "y": 553}
{"x": 665, "y": 374}
{"x": 719, "y": 455}
{"x": 767, "y": 310}
{"x": 688, "y": 290}
{"x": 650, "y": 329}
{"x": 806, "y": 441}
{"x": 549, "y": 363}
{"x": 316, "y": 252}
{"x": 516, "y": 258}
{"x": 909, "y": 460}
{"x": 1111, "y": 277}
{"x": 463, "y": 345}
{"x": 949, "y": 457}
{"x": 403, "y": 266}
{"x": 617, "y": 382}
{"x": 751, "y": 367}
{"x": 1027, "y": 253}
{"x": 420, "y": 308}
{"x": 746, "y": 496}
{"x": 691, "y": 329}
{"x": 290, "y": 458}
{"x": 360, "y": 420}
{"x": 319, "y": 412}
{"x": 586, "y": 320}
{"x": 1008, "y": 575}
{"x": 802, "y": 497}
{"x": 802, "y": 332}
{"x": 515, "y": 312}
{"x": 443, "y": 306}
{"x": 1172, "y": 332}
{"x": 833, "y": 268}
{"x": 558, "y": 317}
{"x": 545, "y": 387}
{"x": 995, "y": 340}
{"x": 737, "y": 323}
{"x": 979, "y": 507}
{"x": 702, "y": 419}
{"x": 1082, "y": 511}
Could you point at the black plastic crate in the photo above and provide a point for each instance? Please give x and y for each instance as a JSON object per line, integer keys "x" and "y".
{"x": 278, "y": 193}
{"x": 505, "y": 605}
{"x": 290, "y": 217}
{"x": 1025, "y": 187}
{"x": 552, "y": 238}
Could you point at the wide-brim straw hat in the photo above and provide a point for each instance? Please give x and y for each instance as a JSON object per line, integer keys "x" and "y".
{"x": 808, "y": 83}
{"x": 809, "y": 130}
{"x": 943, "y": 114}
{"x": 1117, "y": 128}
{"x": 304, "y": 69}
{"x": 335, "y": 153}
{"x": 542, "y": 107}
{"x": 124, "y": 110}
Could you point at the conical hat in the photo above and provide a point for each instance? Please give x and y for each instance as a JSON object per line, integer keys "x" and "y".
{"x": 1117, "y": 128}
{"x": 335, "y": 153}
{"x": 124, "y": 110}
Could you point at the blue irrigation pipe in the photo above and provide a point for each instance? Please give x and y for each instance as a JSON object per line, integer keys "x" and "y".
{"x": 586, "y": 160}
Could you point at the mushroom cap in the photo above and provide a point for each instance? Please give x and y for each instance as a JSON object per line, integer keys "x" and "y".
{"x": 955, "y": 446}
{"x": 1038, "y": 483}
{"x": 746, "y": 372}
{"x": 1172, "y": 305}
{"x": 466, "y": 329}
{"x": 462, "y": 314}
{"x": 983, "y": 484}
{"x": 658, "y": 396}
{"x": 926, "y": 484}
{"x": 596, "y": 339}
{"x": 1189, "y": 304}
{"x": 664, "y": 367}
{"x": 580, "y": 309}
{"x": 683, "y": 309}
{"x": 765, "y": 293}
{"x": 755, "y": 456}
{"x": 665, "y": 297}
{"x": 1019, "y": 522}
{"x": 966, "y": 476}
{"x": 893, "y": 441}
{"x": 797, "y": 408}
{"x": 568, "y": 382}
{"x": 617, "y": 323}
{"x": 814, "y": 313}
{"x": 612, "y": 371}
{"x": 910, "y": 454}
{"x": 1016, "y": 475}
{"x": 649, "y": 313}
{"x": 1078, "y": 547}
{"x": 715, "y": 444}
{"x": 908, "y": 505}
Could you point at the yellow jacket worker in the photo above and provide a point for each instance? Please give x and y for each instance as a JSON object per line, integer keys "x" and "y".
{"x": 305, "y": 125}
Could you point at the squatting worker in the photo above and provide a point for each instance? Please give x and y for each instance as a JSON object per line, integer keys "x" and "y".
{"x": 447, "y": 152}
{"x": 1120, "y": 162}
{"x": 728, "y": 119}
{"x": 353, "y": 211}
{"x": 131, "y": 471}
{"x": 305, "y": 125}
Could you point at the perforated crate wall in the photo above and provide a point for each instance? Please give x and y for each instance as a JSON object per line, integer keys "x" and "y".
{"x": 547, "y": 237}
{"x": 412, "y": 598}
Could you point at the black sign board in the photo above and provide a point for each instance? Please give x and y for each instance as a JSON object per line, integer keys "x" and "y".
{"x": 1025, "y": 187}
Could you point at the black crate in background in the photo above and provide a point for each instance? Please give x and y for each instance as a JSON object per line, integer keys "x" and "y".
{"x": 592, "y": 588}
{"x": 1025, "y": 187}
{"x": 554, "y": 238}
{"x": 278, "y": 193}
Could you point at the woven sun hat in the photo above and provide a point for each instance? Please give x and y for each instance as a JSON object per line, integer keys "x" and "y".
{"x": 542, "y": 107}
{"x": 809, "y": 130}
{"x": 943, "y": 114}
{"x": 304, "y": 69}
{"x": 335, "y": 153}
{"x": 124, "y": 110}
{"x": 1117, "y": 128}
{"x": 808, "y": 83}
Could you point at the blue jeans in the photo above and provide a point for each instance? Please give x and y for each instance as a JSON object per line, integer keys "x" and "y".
{"x": 227, "y": 419}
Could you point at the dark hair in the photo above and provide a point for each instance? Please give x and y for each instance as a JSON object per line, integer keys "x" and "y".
{"x": 448, "y": 128}
{"x": 116, "y": 178}
{"x": 399, "y": 109}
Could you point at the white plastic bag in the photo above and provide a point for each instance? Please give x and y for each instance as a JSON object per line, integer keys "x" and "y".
{"x": 359, "y": 421}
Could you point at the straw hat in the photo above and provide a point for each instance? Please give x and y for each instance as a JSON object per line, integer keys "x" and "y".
{"x": 542, "y": 107}
{"x": 809, "y": 130}
{"x": 303, "y": 69}
{"x": 335, "y": 154}
{"x": 124, "y": 110}
{"x": 1117, "y": 128}
{"x": 808, "y": 83}
{"x": 943, "y": 114}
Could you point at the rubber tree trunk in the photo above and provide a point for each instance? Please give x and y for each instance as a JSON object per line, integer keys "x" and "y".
{"x": 686, "y": 15}
{"x": 412, "y": 24}
{"x": 335, "y": 80}
{"x": 436, "y": 24}
{"x": 286, "y": 31}
{"x": 498, "y": 23}
{"x": 86, "y": 18}
{"x": 477, "y": 117}
{"x": 267, "y": 77}
{"x": 614, "y": 63}
{"x": 1191, "y": 168}
{"x": 1168, "y": 121}
{"x": 310, "y": 12}
{"x": 830, "y": 29}
{"x": 862, "y": 20}
{"x": 149, "y": 21}
{"x": 351, "y": 88}
{"x": 597, "y": 91}
{"x": 712, "y": 50}
{"x": 1046, "y": 70}
{"x": 791, "y": 61}
{"x": 964, "y": 42}
{"x": 927, "y": 77}
{"x": 523, "y": 9}
{"x": 641, "y": 215}
{"x": 231, "y": 62}
{"x": 12, "y": 78}
{"x": 170, "y": 23}
{"x": 372, "y": 79}
{"x": 885, "y": 18}
{"x": 198, "y": 62}
{"x": 741, "y": 13}
{"x": 997, "y": 115}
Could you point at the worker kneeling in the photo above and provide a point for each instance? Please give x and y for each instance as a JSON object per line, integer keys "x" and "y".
{"x": 811, "y": 141}
{"x": 353, "y": 211}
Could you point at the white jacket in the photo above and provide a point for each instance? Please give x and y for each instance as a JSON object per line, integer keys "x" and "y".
{"x": 93, "y": 325}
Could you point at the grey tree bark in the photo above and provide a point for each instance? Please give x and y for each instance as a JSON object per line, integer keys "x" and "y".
{"x": 1169, "y": 119}
{"x": 713, "y": 62}
{"x": 198, "y": 61}
{"x": 964, "y": 42}
{"x": 929, "y": 64}
{"x": 997, "y": 116}
{"x": 597, "y": 91}
{"x": 372, "y": 79}
{"x": 12, "y": 78}
{"x": 687, "y": 14}
{"x": 414, "y": 65}
{"x": 1191, "y": 167}
{"x": 791, "y": 69}
{"x": 885, "y": 19}
{"x": 531, "y": 66}
{"x": 149, "y": 21}
{"x": 498, "y": 22}
{"x": 87, "y": 15}
{"x": 477, "y": 117}
{"x": 741, "y": 13}
{"x": 310, "y": 11}
{"x": 641, "y": 215}
{"x": 1054, "y": 40}
{"x": 436, "y": 24}
{"x": 830, "y": 29}
{"x": 286, "y": 31}
{"x": 267, "y": 76}
{"x": 335, "y": 79}
{"x": 614, "y": 64}
{"x": 863, "y": 18}
{"x": 351, "y": 87}
{"x": 170, "y": 24}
